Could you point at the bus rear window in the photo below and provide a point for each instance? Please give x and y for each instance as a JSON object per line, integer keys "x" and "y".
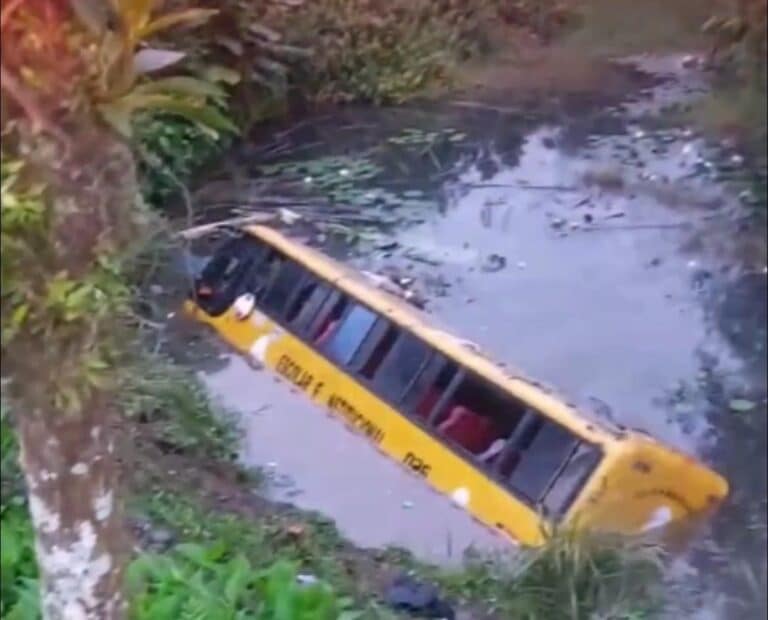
{"x": 566, "y": 486}
{"x": 549, "y": 449}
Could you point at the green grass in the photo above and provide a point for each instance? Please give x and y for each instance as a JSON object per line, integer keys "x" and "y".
{"x": 177, "y": 409}
{"x": 570, "y": 578}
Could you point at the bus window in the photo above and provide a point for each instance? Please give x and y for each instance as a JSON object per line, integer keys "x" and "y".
{"x": 479, "y": 418}
{"x": 224, "y": 276}
{"x": 405, "y": 356}
{"x": 307, "y": 303}
{"x": 571, "y": 480}
{"x": 548, "y": 451}
{"x": 328, "y": 317}
{"x": 428, "y": 386}
{"x": 264, "y": 273}
{"x": 374, "y": 348}
{"x": 284, "y": 279}
{"x": 518, "y": 442}
{"x": 342, "y": 343}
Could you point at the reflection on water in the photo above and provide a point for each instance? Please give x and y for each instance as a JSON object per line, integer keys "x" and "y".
{"x": 574, "y": 255}
{"x": 315, "y": 463}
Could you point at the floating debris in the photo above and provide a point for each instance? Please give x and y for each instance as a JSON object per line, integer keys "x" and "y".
{"x": 288, "y": 217}
{"x": 306, "y": 579}
{"x": 558, "y": 223}
{"x": 417, "y": 599}
{"x": 494, "y": 263}
{"x": 741, "y": 405}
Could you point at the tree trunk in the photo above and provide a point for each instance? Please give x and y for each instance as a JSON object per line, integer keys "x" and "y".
{"x": 67, "y": 452}
{"x": 71, "y": 474}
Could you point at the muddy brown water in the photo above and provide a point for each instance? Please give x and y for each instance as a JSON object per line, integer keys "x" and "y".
{"x": 572, "y": 250}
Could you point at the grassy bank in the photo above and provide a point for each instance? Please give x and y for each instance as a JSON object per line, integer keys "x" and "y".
{"x": 207, "y": 544}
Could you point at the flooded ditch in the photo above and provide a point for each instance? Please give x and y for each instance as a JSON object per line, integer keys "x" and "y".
{"x": 594, "y": 250}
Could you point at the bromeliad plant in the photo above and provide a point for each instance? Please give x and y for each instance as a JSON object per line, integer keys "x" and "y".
{"x": 74, "y": 75}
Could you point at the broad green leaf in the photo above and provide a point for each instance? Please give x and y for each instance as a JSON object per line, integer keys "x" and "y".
{"x": 205, "y": 116}
{"x": 182, "y": 85}
{"x": 27, "y": 606}
{"x": 186, "y": 17}
{"x": 217, "y": 73}
{"x": 19, "y": 315}
{"x": 119, "y": 116}
{"x": 166, "y": 607}
{"x": 240, "y": 570}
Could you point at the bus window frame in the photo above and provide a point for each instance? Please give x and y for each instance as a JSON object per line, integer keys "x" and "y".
{"x": 367, "y": 348}
{"x": 323, "y": 312}
{"x": 537, "y": 501}
{"x": 394, "y": 397}
{"x": 450, "y": 391}
{"x": 333, "y": 295}
{"x": 595, "y": 455}
{"x": 427, "y": 365}
{"x": 351, "y": 305}
{"x": 279, "y": 312}
{"x": 299, "y": 321}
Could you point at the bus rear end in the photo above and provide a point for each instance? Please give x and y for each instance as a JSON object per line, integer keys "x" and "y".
{"x": 645, "y": 488}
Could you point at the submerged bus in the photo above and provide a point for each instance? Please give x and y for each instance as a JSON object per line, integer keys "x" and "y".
{"x": 519, "y": 458}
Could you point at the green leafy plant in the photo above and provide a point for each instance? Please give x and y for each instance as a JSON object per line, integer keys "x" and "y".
{"x": 213, "y": 583}
{"x": 172, "y": 149}
{"x": 18, "y": 570}
{"x": 18, "y": 586}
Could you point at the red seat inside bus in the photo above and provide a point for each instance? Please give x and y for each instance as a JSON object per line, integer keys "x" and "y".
{"x": 469, "y": 429}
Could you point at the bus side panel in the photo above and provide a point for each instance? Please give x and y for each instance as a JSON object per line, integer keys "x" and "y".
{"x": 391, "y": 432}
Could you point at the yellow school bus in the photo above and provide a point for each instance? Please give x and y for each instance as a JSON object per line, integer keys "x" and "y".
{"x": 519, "y": 458}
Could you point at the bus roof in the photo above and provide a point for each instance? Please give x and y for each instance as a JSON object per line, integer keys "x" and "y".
{"x": 351, "y": 281}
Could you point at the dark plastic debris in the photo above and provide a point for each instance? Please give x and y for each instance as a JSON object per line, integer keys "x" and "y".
{"x": 417, "y": 599}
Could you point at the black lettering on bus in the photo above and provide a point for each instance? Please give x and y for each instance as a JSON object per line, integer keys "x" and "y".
{"x": 417, "y": 464}
{"x": 354, "y": 418}
{"x": 294, "y": 373}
